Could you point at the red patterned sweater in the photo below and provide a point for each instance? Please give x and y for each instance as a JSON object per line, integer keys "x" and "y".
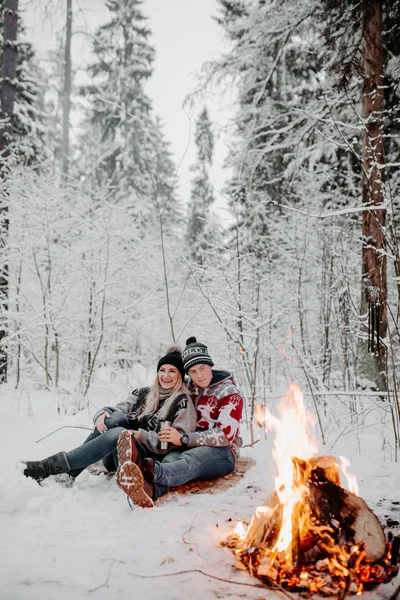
{"x": 219, "y": 411}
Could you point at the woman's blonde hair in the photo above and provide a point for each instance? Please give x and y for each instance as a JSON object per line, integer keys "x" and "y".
{"x": 153, "y": 399}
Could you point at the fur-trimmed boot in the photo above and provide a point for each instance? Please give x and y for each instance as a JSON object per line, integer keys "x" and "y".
{"x": 53, "y": 465}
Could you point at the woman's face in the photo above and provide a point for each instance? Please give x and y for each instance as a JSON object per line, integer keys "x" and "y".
{"x": 168, "y": 377}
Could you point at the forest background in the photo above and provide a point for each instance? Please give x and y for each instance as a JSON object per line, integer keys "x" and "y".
{"x": 103, "y": 263}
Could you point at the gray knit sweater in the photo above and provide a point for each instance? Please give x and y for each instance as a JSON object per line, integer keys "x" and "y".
{"x": 182, "y": 415}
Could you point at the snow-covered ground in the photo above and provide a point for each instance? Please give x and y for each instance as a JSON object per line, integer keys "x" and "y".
{"x": 84, "y": 542}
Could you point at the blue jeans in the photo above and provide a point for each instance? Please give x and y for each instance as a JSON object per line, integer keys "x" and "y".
{"x": 99, "y": 446}
{"x": 203, "y": 462}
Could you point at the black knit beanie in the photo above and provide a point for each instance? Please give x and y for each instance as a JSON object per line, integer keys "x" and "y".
{"x": 172, "y": 357}
{"x": 195, "y": 353}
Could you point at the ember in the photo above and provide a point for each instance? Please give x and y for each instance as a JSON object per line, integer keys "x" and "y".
{"x": 311, "y": 535}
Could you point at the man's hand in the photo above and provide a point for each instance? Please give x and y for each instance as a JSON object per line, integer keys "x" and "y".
{"x": 99, "y": 423}
{"x": 170, "y": 435}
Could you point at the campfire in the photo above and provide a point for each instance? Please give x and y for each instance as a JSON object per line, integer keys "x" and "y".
{"x": 311, "y": 535}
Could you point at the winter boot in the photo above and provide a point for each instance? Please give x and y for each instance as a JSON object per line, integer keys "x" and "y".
{"x": 41, "y": 469}
{"x": 126, "y": 447}
{"x": 129, "y": 449}
{"x": 130, "y": 479}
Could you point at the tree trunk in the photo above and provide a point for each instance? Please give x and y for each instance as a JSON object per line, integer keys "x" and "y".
{"x": 374, "y": 283}
{"x": 7, "y": 95}
{"x": 67, "y": 90}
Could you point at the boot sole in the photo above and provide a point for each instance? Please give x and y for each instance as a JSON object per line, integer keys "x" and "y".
{"x": 125, "y": 447}
{"x": 130, "y": 480}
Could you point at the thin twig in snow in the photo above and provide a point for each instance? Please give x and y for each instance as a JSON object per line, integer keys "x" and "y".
{"x": 253, "y": 585}
{"x": 188, "y": 531}
{"x": 105, "y": 584}
{"x": 63, "y": 427}
{"x": 192, "y": 543}
{"x": 252, "y": 444}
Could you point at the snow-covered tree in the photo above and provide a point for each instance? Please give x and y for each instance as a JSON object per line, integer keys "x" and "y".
{"x": 298, "y": 153}
{"x": 201, "y": 195}
{"x": 362, "y": 47}
{"x": 289, "y": 162}
{"x": 119, "y": 107}
{"x": 21, "y": 135}
{"x": 29, "y": 118}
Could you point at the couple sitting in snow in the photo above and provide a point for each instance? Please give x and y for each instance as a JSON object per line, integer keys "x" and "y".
{"x": 199, "y": 438}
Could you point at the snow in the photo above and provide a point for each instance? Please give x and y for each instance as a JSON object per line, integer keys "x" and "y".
{"x": 84, "y": 541}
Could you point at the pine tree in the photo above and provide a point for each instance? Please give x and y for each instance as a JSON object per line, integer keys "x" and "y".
{"x": 299, "y": 150}
{"x": 275, "y": 64}
{"x": 7, "y": 97}
{"x": 288, "y": 159}
{"x": 125, "y": 161}
{"x": 67, "y": 89}
{"x": 53, "y": 105}
{"x": 29, "y": 120}
{"x": 120, "y": 110}
{"x": 358, "y": 37}
{"x": 21, "y": 135}
{"x": 201, "y": 196}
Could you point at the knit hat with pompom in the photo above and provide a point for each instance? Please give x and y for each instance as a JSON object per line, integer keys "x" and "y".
{"x": 172, "y": 357}
{"x": 195, "y": 353}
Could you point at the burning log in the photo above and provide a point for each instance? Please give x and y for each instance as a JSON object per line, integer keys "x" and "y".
{"x": 349, "y": 516}
{"x": 304, "y": 546}
{"x": 329, "y": 466}
{"x": 337, "y": 542}
{"x": 266, "y": 524}
{"x": 311, "y": 535}
{"x": 327, "y": 515}
{"x": 395, "y": 550}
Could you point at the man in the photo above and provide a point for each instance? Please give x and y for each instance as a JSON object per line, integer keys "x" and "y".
{"x": 206, "y": 454}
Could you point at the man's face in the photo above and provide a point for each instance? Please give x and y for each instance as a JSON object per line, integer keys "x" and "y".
{"x": 201, "y": 375}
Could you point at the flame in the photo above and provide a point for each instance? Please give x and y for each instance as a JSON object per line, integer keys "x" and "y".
{"x": 240, "y": 530}
{"x": 267, "y": 552}
{"x": 351, "y": 479}
{"x": 259, "y": 415}
{"x": 292, "y": 438}
{"x": 262, "y": 509}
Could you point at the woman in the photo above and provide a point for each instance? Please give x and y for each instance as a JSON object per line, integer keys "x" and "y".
{"x": 138, "y": 419}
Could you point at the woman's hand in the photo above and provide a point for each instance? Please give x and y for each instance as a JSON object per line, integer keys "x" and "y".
{"x": 170, "y": 435}
{"x": 99, "y": 422}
